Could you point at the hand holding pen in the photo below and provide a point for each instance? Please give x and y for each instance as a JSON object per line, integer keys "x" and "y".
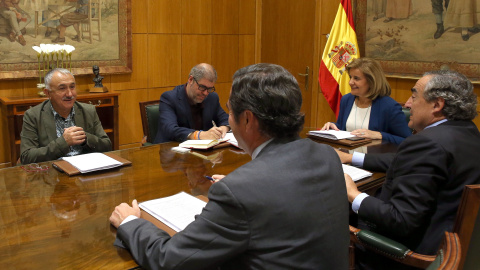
{"x": 215, "y": 178}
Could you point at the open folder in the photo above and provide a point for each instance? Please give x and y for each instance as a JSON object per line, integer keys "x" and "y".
{"x": 89, "y": 163}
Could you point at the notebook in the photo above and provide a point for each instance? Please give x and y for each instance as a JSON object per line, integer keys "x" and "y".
{"x": 176, "y": 211}
{"x": 200, "y": 144}
{"x": 89, "y": 163}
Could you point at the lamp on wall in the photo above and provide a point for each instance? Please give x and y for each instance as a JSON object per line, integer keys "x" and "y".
{"x": 52, "y": 56}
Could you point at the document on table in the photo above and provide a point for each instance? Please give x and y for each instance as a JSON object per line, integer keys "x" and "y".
{"x": 332, "y": 134}
{"x": 92, "y": 162}
{"x": 355, "y": 173}
{"x": 231, "y": 139}
{"x": 176, "y": 211}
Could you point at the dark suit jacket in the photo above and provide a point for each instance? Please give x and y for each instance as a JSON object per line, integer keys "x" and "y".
{"x": 386, "y": 117}
{"x": 286, "y": 209}
{"x": 424, "y": 184}
{"x": 39, "y": 140}
{"x": 176, "y": 122}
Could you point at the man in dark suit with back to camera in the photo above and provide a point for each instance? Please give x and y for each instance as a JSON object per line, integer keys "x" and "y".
{"x": 286, "y": 209}
{"x": 61, "y": 126}
{"x": 426, "y": 177}
{"x": 189, "y": 111}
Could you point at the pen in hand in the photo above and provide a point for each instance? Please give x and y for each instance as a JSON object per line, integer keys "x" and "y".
{"x": 210, "y": 178}
{"x": 213, "y": 122}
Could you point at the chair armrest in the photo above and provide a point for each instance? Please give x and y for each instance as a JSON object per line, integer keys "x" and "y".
{"x": 382, "y": 244}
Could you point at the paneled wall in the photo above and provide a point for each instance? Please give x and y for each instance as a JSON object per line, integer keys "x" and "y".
{"x": 168, "y": 38}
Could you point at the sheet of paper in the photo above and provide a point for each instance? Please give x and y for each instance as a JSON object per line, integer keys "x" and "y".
{"x": 338, "y": 134}
{"x": 231, "y": 139}
{"x": 92, "y": 162}
{"x": 355, "y": 173}
{"x": 176, "y": 211}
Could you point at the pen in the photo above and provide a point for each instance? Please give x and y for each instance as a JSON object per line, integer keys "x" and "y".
{"x": 210, "y": 178}
{"x": 213, "y": 122}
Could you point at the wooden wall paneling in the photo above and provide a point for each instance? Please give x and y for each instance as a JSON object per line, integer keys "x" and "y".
{"x": 225, "y": 16}
{"x": 246, "y": 17}
{"x": 225, "y": 56}
{"x": 329, "y": 11}
{"x": 402, "y": 90}
{"x": 139, "y": 76}
{"x": 246, "y": 50}
{"x": 155, "y": 93}
{"x": 196, "y": 16}
{"x": 196, "y": 49}
{"x": 139, "y": 16}
{"x": 223, "y": 91}
{"x": 164, "y": 65}
{"x": 130, "y": 126}
{"x": 164, "y": 16}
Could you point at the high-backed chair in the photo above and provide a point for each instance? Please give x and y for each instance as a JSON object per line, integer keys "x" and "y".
{"x": 466, "y": 234}
{"x": 149, "y": 113}
{"x": 94, "y": 17}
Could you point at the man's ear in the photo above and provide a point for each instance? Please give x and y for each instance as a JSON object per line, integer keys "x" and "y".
{"x": 438, "y": 104}
{"x": 251, "y": 121}
{"x": 46, "y": 92}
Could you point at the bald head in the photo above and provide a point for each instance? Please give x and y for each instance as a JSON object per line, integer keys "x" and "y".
{"x": 204, "y": 71}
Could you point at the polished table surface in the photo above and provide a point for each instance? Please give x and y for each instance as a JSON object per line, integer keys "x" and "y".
{"x": 49, "y": 220}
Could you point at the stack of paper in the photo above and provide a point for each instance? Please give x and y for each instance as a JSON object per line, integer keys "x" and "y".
{"x": 355, "y": 173}
{"x": 176, "y": 211}
{"x": 92, "y": 162}
{"x": 331, "y": 134}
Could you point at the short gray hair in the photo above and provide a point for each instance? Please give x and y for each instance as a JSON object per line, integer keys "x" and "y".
{"x": 48, "y": 77}
{"x": 204, "y": 70}
{"x": 456, "y": 90}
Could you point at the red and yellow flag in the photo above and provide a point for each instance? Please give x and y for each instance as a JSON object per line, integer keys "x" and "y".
{"x": 341, "y": 48}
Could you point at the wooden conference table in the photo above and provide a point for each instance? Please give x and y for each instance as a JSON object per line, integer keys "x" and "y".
{"x": 49, "y": 220}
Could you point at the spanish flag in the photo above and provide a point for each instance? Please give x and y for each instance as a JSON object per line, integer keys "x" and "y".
{"x": 341, "y": 48}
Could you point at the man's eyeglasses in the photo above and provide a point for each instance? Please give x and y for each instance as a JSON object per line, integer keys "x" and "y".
{"x": 202, "y": 87}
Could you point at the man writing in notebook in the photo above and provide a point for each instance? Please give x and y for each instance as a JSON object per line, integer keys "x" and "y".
{"x": 61, "y": 126}
{"x": 286, "y": 209}
{"x": 425, "y": 178}
{"x": 192, "y": 111}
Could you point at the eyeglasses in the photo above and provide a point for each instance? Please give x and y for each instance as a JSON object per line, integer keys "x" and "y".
{"x": 202, "y": 87}
{"x": 34, "y": 167}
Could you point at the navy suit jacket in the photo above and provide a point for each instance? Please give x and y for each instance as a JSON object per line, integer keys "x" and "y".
{"x": 423, "y": 186}
{"x": 176, "y": 122}
{"x": 386, "y": 117}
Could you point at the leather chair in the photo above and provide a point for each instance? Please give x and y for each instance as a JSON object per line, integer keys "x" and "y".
{"x": 459, "y": 249}
{"x": 149, "y": 113}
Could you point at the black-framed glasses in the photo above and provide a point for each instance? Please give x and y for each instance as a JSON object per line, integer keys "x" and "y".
{"x": 202, "y": 87}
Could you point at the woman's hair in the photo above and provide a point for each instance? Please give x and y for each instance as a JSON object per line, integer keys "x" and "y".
{"x": 373, "y": 72}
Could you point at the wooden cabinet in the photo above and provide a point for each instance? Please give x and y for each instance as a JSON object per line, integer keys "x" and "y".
{"x": 13, "y": 109}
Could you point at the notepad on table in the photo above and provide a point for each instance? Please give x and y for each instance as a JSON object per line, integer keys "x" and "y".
{"x": 92, "y": 162}
{"x": 176, "y": 211}
{"x": 231, "y": 139}
{"x": 331, "y": 134}
{"x": 355, "y": 173}
{"x": 201, "y": 144}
